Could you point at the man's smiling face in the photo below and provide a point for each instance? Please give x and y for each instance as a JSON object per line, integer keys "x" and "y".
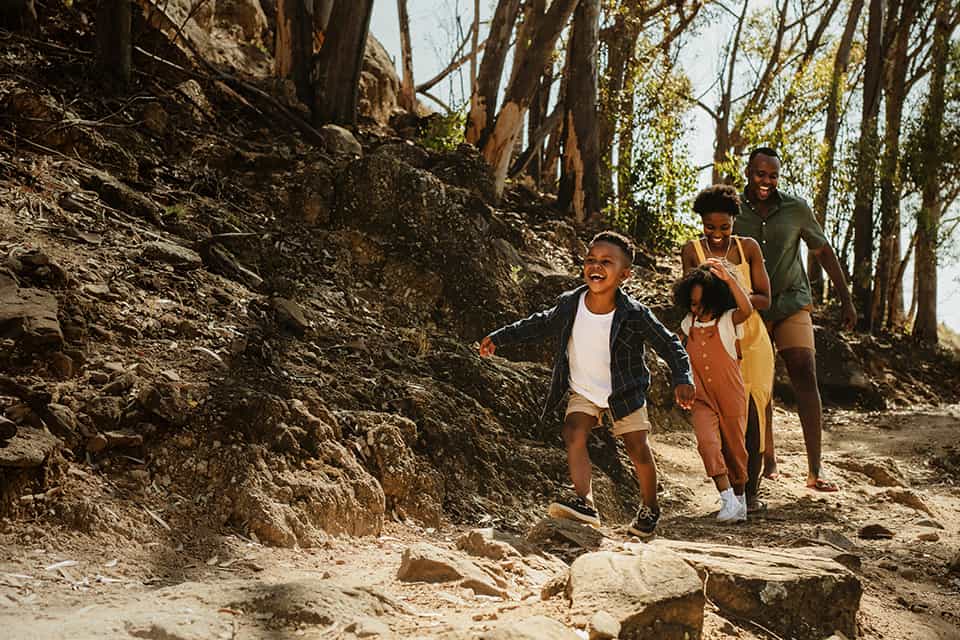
{"x": 763, "y": 173}
{"x": 605, "y": 267}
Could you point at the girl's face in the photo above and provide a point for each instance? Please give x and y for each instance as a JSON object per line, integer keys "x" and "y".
{"x": 717, "y": 227}
{"x": 696, "y": 303}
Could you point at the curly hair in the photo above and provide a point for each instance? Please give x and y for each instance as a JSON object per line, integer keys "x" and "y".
{"x": 721, "y": 198}
{"x": 618, "y": 239}
{"x": 716, "y": 297}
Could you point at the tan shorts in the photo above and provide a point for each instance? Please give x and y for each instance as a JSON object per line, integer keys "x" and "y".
{"x": 636, "y": 421}
{"x": 794, "y": 331}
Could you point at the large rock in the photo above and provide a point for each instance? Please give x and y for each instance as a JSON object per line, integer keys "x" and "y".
{"x": 535, "y": 628}
{"x": 248, "y": 15}
{"x": 339, "y": 142}
{"x": 28, "y": 448}
{"x": 379, "y": 83}
{"x": 795, "y": 595}
{"x": 424, "y": 562}
{"x": 651, "y": 593}
{"x": 29, "y": 316}
{"x": 883, "y": 472}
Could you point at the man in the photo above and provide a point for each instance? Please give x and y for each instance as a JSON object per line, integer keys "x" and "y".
{"x": 778, "y": 222}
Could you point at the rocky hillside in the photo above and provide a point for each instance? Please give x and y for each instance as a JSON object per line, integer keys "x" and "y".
{"x": 214, "y": 323}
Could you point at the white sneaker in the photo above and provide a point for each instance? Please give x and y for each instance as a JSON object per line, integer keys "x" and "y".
{"x": 742, "y": 498}
{"x": 732, "y": 510}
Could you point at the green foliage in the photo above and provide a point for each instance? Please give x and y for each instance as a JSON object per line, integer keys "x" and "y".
{"x": 655, "y": 176}
{"x": 443, "y": 132}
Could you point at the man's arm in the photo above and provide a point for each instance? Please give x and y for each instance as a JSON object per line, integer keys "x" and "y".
{"x": 828, "y": 260}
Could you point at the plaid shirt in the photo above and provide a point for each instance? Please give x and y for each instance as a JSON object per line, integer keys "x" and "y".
{"x": 633, "y": 326}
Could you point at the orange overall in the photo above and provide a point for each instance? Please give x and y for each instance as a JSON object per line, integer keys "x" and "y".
{"x": 719, "y": 409}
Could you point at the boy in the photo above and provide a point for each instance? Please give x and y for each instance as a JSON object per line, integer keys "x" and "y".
{"x": 600, "y": 360}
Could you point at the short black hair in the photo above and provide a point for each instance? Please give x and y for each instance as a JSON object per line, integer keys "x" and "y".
{"x": 766, "y": 151}
{"x": 716, "y": 298}
{"x": 622, "y": 241}
{"x": 719, "y": 197}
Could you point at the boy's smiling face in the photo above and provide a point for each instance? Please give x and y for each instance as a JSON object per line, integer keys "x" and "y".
{"x": 605, "y": 267}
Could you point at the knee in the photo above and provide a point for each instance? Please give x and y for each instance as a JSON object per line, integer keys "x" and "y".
{"x": 637, "y": 447}
{"x": 575, "y": 434}
{"x": 802, "y": 368}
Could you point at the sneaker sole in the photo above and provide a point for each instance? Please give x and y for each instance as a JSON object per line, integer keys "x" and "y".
{"x": 641, "y": 534}
{"x": 557, "y": 510}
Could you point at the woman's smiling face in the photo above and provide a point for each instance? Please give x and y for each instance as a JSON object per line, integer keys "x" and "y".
{"x": 717, "y": 229}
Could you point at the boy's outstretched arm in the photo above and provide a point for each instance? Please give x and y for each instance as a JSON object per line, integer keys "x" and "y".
{"x": 533, "y": 327}
{"x": 668, "y": 346}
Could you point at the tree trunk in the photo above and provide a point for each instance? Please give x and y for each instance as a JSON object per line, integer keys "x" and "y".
{"x": 888, "y": 296}
{"x": 474, "y": 46}
{"x": 294, "y": 48}
{"x": 18, "y": 14}
{"x": 620, "y": 42}
{"x": 407, "y": 98}
{"x": 535, "y": 123}
{"x": 830, "y": 133}
{"x": 114, "y": 46}
{"x": 339, "y": 63}
{"x": 928, "y": 221}
{"x": 483, "y": 101}
{"x": 519, "y": 93}
{"x": 580, "y": 177}
{"x": 867, "y": 167}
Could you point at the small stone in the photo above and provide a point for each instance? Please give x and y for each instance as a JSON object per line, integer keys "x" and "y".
{"x": 339, "y": 141}
{"x": 97, "y": 443}
{"x": 8, "y": 429}
{"x": 172, "y": 254}
{"x": 909, "y": 573}
{"x": 931, "y": 536}
{"x": 933, "y": 524}
{"x": 889, "y": 566}
{"x": 101, "y": 290}
{"x": 290, "y": 314}
{"x": 875, "y": 532}
{"x": 99, "y": 377}
{"x": 61, "y": 365}
{"x": 604, "y": 626}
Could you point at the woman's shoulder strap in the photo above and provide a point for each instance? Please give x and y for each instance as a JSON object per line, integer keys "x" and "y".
{"x": 701, "y": 257}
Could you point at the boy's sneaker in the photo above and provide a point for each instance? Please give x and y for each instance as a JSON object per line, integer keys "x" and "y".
{"x": 733, "y": 510}
{"x": 574, "y": 507}
{"x": 645, "y": 524}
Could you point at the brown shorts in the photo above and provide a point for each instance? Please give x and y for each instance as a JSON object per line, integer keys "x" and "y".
{"x": 794, "y": 331}
{"x": 636, "y": 421}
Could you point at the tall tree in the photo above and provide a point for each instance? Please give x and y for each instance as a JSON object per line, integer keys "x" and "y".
{"x": 533, "y": 55}
{"x": 831, "y": 130}
{"x": 114, "y": 46}
{"x": 580, "y": 177}
{"x": 928, "y": 221}
{"x": 483, "y": 101}
{"x": 888, "y": 291}
{"x": 407, "y": 97}
{"x": 294, "y": 47}
{"x": 867, "y": 166}
{"x": 337, "y": 67}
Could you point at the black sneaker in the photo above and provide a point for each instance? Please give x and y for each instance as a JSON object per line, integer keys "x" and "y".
{"x": 574, "y": 507}
{"x": 645, "y": 524}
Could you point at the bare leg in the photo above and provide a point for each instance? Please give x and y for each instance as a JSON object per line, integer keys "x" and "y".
{"x": 639, "y": 451}
{"x": 769, "y": 455}
{"x": 802, "y": 368}
{"x": 754, "y": 457}
{"x": 722, "y": 482}
{"x": 576, "y": 431}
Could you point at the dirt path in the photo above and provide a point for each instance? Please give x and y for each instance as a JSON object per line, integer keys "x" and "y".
{"x": 56, "y": 583}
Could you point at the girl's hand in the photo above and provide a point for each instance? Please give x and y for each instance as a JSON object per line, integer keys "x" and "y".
{"x": 718, "y": 269}
{"x": 487, "y": 348}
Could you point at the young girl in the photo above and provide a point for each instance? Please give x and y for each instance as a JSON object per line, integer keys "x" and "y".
{"x": 717, "y": 306}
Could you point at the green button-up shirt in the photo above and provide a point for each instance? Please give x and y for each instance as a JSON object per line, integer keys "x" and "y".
{"x": 789, "y": 219}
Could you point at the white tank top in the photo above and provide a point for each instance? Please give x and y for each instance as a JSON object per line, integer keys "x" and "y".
{"x": 589, "y": 353}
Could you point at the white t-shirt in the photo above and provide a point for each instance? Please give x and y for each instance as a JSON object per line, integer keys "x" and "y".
{"x": 729, "y": 332}
{"x": 589, "y": 353}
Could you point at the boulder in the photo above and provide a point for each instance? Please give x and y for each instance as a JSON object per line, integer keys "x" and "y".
{"x": 650, "y": 593}
{"x": 793, "y": 594}
{"x": 883, "y": 472}
{"x": 550, "y": 532}
{"x": 424, "y": 562}
{"x": 29, "y": 316}
{"x": 248, "y": 15}
{"x": 339, "y": 142}
{"x": 604, "y": 626}
{"x": 535, "y": 628}
{"x": 379, "y": 83}
{"x": 27, "y": 448}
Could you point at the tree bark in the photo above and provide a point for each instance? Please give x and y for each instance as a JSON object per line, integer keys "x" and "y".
{"x": 483, "y": 101}
{"x": 579, "y": 191}
{"x": 338, "y": 65}
{"x": 114, "y": 46}
{"x": 538, "y": 127}
{"x": 620, "y": 42}
{"x": 867, "y": 167}
{"x": 928, "y": 221}
{"x": 294, "y": 48}
{"x": 519, "y": 93}
{"x": 888, "y": 293}
{"x": 831, "y": 131}
{"x": 407, "y": 98}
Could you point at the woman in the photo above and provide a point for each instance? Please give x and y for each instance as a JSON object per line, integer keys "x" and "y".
{"x": 718, "y": 206}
